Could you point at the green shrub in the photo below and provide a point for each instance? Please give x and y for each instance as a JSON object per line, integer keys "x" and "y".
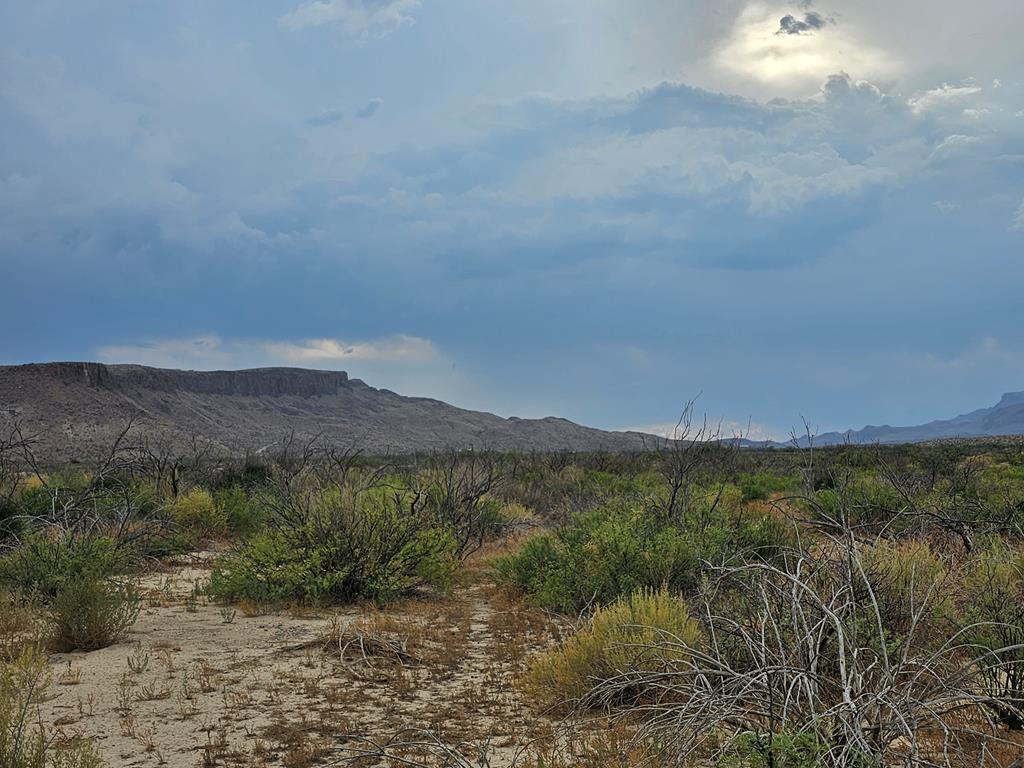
{"x": 374, "y": 551}
{"x": 42, "y": 565}
{"x": 760, "y": 486}
{"x": 643, "y": 632}
{"x": 23, "y": 743}
{"x": 35, "y": 501}
{"x": 38, "y": 500}
{"x": 777, "y": 750}
{"x": 241, "y": 513}
{"x": 604, "y": 560}
{"x": 92, "y": 612}
{"x": 11, "y": 523}
{"x": 912, "y": 589}
{"x": 993, "y": 616}
{"x": 789, "y": 749}
{"x": 196, "y": 511}
{"x": 613, "y": 550}
{"x": 865, "y": 500}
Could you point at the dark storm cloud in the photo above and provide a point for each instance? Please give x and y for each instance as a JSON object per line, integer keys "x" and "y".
{"x": 370, "y": 108}
{"x": 811, "y": 22}
{"x": 185, "y": 162}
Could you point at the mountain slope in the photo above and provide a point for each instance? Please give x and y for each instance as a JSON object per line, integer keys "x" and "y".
{"x": 76, "y": 409}
{"x": 1004, "y": 418}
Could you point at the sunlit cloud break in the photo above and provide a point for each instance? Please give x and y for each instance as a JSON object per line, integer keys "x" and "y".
{"x": 398, "y": 348}
{"x": 208, "y": 351}
{"x": 795, "y": 52}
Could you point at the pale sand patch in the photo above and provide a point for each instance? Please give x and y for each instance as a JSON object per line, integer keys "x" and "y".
{"x": 216, "y": 687}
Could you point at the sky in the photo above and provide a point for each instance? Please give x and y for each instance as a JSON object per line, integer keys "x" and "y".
{"x": 597, "y": 209}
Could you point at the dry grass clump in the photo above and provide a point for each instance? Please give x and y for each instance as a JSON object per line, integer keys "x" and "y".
{"x": 994, "y": 614}
{"x": 421, "y": 635}
{"x": 24, "y": 744}
{"x": 805, "y": 662}
{"x": 913, "y": 588}
{"x": 363, "y": 640}
{"x": 612, "y": 747}
{"x": 21, "y": 625}
{"x": 647, "y": 631}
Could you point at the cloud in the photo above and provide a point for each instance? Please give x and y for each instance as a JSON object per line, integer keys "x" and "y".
{"x": 784, "y": 55}
{"x": 326, "y": 118}
{"x": 411, "y": 365}
{"x": 201, "y": 352}
{"x": 334, "y": 116}
{"x": 669, "y": 172}
{"x": 941, "y": 97}
{"x": 358, "y": 19}
{"x": 370, "y": 108}
{"x": 725, "y": 429}
{"x": 607, "y": 208}
{"x": 210, "y": 351}
{"x": 1017, "y": 224}
{"x": 394, "y": 349}
{"x": 955, "y": 144}
{"x": 988, "y": 354}
{"x": 812, "y": 21}
{"x": 17, "y": 189}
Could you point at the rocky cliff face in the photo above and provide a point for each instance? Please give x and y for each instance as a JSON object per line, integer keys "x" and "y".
{"x": 76, "y": 409}
{"x": 257, "y": 382}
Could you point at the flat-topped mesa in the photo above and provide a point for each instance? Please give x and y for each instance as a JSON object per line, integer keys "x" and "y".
{"x": 76, "y": 410}
{"x": 254, "y": 382}
{"x": 1011, "y": 400}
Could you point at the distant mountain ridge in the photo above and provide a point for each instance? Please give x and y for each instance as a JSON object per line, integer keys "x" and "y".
{"x": 77, "y": 409}
{"x": 1003, "y": 419}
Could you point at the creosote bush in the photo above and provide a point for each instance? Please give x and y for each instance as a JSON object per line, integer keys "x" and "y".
{"x": 615, "y": 549}
{"x": 69, "y": 580}
{"x": 374, "y": 548}
{"x": 629, "y": 636}
{"x": 91, "y": 613}
{"x": 43, "y": 563}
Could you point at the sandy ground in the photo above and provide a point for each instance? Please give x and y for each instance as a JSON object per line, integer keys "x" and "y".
{"x": 195, "y": 684}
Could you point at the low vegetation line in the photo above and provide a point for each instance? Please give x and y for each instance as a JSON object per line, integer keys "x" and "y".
{"x": 695, "y": 604}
